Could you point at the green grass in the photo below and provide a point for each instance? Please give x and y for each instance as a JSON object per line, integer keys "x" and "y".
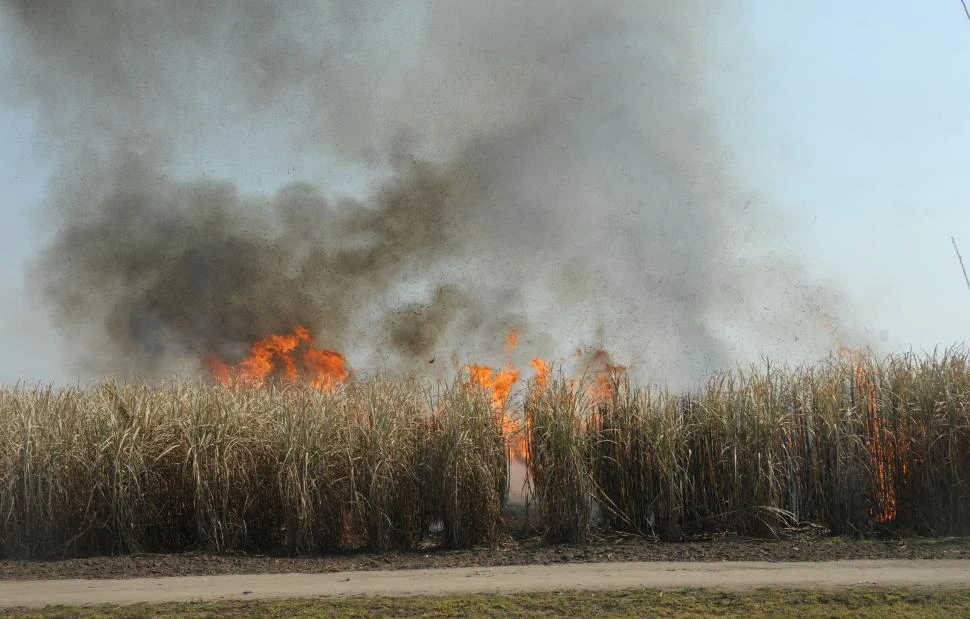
{"x": 637, "y": 603}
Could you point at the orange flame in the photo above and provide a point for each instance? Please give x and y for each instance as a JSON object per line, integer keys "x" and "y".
{"x": 510, "y": 341}
{"x": 542, "y": 369}
{"x": 499, "y": 384}
{"x": 604, "y": 372}
{"x": 883, "y": 447}
{"x": 290, "y": 358}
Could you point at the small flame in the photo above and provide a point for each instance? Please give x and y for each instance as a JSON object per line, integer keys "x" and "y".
{"x": 604, "y": 375}
{"x": 218, "y": 369}
{"x": 542, "y": 369}
{"x": 290, "y": 358}
{"x": 510, "y": 342}
{"x": 885, "y": 448}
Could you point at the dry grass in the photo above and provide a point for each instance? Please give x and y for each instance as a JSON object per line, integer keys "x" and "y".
{"x": 466, "y": 465}
{"x": 559, "y": 468}
{"x": 135, "y": 468}
{"x": 854, "y": 445}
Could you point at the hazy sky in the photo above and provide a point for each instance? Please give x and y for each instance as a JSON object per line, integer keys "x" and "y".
{"x": 851, "y": 126}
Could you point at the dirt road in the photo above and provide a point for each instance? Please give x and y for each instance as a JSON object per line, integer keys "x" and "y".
{"x": 594, "y": 576}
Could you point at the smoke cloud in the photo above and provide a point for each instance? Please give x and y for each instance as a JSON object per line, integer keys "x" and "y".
{"x": 553, "y": 166}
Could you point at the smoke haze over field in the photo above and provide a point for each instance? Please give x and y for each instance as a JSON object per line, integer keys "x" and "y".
{"x": 553, "y": 166}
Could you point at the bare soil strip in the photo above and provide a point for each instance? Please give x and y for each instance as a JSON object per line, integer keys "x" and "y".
{"x": 595, "y": 576}
{"x": 529, "y": 551}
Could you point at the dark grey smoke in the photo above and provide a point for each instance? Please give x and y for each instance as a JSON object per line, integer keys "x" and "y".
{"x": 551, "y": 165}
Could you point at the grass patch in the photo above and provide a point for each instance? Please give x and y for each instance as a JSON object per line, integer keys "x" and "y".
{"x": 642, "y": 603}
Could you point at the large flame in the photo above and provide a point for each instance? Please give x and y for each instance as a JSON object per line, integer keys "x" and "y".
{"x": 499, "y": 384}
{"x": 289, "y": 358}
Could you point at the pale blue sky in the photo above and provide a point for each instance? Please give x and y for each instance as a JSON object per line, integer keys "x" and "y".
{"x": 858, "y": 130}
{"x": 849, "y": 122}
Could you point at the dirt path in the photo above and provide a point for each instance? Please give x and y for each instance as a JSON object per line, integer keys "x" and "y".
{"x": 531, "y": 551}
{"x": 594, "y": 576}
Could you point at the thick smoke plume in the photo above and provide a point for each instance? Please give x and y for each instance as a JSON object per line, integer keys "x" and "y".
{"x": 550, "y": 165}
